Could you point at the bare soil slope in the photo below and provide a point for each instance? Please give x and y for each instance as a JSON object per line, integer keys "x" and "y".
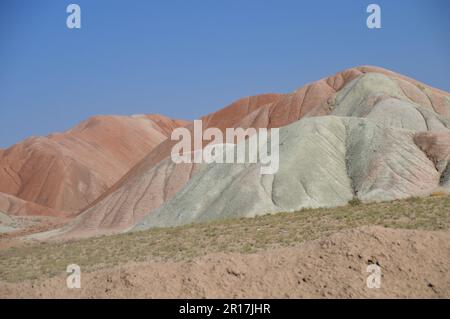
{"x": 67, "y": 171}
{"x": 311, "y": 253}
{"x": 414, "y": 264}
{"x": 20, "y": 207}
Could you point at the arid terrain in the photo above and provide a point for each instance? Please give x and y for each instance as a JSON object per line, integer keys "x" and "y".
{"x": 319, "y": 253}
{"x": 363, "y": 178}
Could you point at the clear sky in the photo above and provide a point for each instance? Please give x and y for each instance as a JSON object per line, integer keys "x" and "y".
{"x": 190, "y": 57}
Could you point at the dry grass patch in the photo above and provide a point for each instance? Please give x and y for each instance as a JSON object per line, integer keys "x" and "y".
{"x": 244, "y": 235}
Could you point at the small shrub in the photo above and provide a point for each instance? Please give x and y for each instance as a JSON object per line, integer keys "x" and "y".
{"x": 355, "y": 202}
{"x": 421, "y": 87}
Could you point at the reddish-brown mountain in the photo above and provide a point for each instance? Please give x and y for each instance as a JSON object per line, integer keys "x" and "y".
{"x": 67, "y": 171}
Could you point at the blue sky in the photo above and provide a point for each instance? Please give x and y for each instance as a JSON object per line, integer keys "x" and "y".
{"x": 188, "y": 58}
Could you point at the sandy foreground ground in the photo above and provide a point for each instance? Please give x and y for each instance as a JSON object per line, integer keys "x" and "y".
{"x": 414, "y": 263}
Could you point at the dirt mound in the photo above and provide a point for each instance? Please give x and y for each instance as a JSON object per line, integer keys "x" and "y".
{"x": 67, "y": 171}
{"x": 19, "y": 207}
{"x": 414, "y": 264}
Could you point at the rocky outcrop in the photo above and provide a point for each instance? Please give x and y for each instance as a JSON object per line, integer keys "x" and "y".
{"x": 437, "y": 148}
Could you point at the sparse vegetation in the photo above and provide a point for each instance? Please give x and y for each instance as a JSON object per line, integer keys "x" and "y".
{"x": 421, "y": 87}
{"x": 354, "y": 202}
{"x": 243, "y": 235}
